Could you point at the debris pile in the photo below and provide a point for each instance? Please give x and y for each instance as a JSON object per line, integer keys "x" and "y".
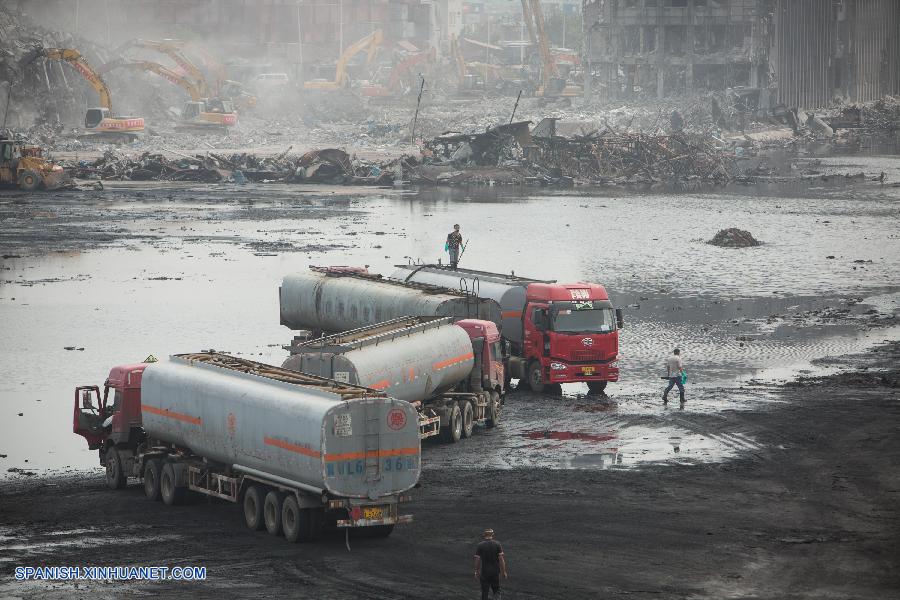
{"x": 734, "y": 238}
{"x": 330, "y": 165}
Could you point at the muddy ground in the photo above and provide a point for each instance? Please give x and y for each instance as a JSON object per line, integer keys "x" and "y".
{"x": 811, "y": 512}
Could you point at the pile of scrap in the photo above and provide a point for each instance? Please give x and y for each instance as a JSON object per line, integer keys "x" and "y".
{"x": 329, "y": 165}
{"x": 610, "y": 157}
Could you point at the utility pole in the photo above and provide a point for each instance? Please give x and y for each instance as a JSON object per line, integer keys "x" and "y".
{"x": 412, "y": 132}
{"x": 299, "y": 46}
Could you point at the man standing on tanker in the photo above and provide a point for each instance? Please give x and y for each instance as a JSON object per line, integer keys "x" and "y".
{"x": 454, "y": 241}
{"x": 489, "y": 564}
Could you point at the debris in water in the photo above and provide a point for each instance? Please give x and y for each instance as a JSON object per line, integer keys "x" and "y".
{"x": 734, "y": 238}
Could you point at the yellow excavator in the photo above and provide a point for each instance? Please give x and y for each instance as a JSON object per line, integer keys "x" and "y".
{"x": 341, "y": 81}
{"x": 99, "y": 121}
{"x": 24, "y": 166}
{"x": 199, "y": 112}
{"x": 552, "y": 84}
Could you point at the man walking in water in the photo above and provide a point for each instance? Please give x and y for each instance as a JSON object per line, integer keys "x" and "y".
{"x": 674, "y": 373}
{"x": 454, "y": 241}
{"x": 489, "y": 564}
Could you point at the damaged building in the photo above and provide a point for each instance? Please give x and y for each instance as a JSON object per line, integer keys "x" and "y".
{"x": 796, "y": 52}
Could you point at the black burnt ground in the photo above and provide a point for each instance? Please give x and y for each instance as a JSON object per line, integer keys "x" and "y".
{"x": 811, "y": 514}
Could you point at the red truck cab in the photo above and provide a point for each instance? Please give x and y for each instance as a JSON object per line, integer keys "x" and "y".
{"x": 570, "y": 334}
{"x": 112, "y": 416}
{"x": 492, "y": 352}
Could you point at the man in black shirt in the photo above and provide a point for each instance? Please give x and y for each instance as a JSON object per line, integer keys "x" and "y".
{"x": 489, "y": 564}
{"x": 454, "y": 241}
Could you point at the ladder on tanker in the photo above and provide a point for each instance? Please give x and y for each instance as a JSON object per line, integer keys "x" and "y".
{"x": 372, "y": 441}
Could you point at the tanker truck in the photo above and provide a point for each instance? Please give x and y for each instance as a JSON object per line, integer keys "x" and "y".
{"x": 296, "y": 451}
{"x": 452, "y": 372}
{"x": 331, "y": 300}
{"x": 557, "y": 332}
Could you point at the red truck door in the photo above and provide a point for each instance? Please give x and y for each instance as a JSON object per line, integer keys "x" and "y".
{"x": 537, "y": 319}
{"x": 89, "y": 414}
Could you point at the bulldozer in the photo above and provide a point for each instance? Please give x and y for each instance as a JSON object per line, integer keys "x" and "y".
{"x": 24, "y": 166}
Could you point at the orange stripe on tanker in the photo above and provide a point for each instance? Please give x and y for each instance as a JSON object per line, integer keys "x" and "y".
{"x": 453, "y": 361}
{"x": 291, "y": 447}
{"x": 165, "y": 412}
{"x": 375, "y": 453}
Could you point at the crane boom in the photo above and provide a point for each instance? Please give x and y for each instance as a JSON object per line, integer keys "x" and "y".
{"x": 80, "y": 64}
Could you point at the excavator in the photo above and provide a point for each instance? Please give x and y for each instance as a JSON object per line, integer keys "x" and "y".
{"x": 198, "y": 112}
{"x": 395, "y": 86}
{"x": 24, "y": 166}
{"x": 552, "y": 83}
{"x": 225, "y": 89}
{"x": 341, "y": 81}
{"x": 99, "y": 121}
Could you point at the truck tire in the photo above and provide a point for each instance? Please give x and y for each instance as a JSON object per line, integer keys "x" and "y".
{"x": 596, "y": 387}
{"x": 468, "y": 419}
{"x": 272, "y": 512}
{"x": 536, "y": 377}
{"x": 152, "y": 474}
{"x": 453, "y": 431}
{"x": 115, "y": 473}
{"x": 493, "y": 410}
{"x": 253, "y": 508}
{"x": 295, "y": 522}
{"x": 172, "y": 494}
{"x": 29, "y": 181}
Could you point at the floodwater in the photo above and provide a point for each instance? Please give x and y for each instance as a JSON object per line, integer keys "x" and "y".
{"x": 142, "y": 269}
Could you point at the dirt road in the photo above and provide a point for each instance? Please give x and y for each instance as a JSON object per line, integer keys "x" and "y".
{"x": 812, "y": 512}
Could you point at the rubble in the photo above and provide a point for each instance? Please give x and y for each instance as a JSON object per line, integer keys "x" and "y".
{"x": 734, "y": 238}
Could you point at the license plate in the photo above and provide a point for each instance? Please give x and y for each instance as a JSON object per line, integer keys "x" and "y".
{"x": 587, "y": 370}
{"x": 375, "y": 512}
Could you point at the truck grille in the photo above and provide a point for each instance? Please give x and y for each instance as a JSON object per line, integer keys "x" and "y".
{"x": 586, "y": 355}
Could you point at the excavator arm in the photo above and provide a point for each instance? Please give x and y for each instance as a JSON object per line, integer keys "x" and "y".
{"x": 408, "y": 63}
{"x": 168, "y": 74}
{"x": 173, "y": 51}
{"x": 80, "y": 64}
{"x": 369, "y": 43}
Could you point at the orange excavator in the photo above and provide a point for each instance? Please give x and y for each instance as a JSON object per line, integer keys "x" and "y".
{"x": 552, "y": 83}
{"x": 341, "y": 81}
{"x": 99, "y": 121}
{"x": 172, "y": 49}
{"x": 395, "y": 86}
{"x": 199, "y": 112}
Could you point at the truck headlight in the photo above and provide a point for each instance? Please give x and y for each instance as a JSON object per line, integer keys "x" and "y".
{"x": 557, "y": 366}
{"x": 613, "y": 364}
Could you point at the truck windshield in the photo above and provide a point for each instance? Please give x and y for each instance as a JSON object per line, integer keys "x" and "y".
{"x": 590, "y": 316}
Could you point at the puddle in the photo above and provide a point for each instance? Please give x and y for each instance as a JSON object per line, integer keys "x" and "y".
{"x": 179, "y": 270}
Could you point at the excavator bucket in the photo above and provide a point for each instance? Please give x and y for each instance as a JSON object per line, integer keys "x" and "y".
{"x": 57, "y": 178}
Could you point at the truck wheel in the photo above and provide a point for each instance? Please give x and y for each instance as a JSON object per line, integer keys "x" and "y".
{"x": 596, "y": 387}
{"x": 29, "y": 181}
{"x": 272, "y": 512}
{"x": 468, "y": 419}
{"x": 493, "y": 409}
{"x": 115, "y": 473}
{"x": 453, "y": 431}
{"x": 253, "y": 508}
{"x": 296, "y": 523}
{"x": 151, "y": 479}
{"x": 172, "y": 494}
{"x": 536, "y": 377}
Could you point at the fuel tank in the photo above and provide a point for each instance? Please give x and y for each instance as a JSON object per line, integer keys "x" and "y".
{"x": 313, "y": 431}
{"x": 340, "y": 302}
{"x": 509, "y": 291}
{"x": 409, "y": 359}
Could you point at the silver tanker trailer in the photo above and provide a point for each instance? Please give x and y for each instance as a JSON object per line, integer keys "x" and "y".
{"x": 452, "y": 372}
{"x": 296, "y": 450}
{"x": 323, "y": 300}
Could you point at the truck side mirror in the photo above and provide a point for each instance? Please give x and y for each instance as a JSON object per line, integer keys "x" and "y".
{"x": 620, "y": 318}
{"x": 507, "y": 352}
{"x": 86, "y": 400}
